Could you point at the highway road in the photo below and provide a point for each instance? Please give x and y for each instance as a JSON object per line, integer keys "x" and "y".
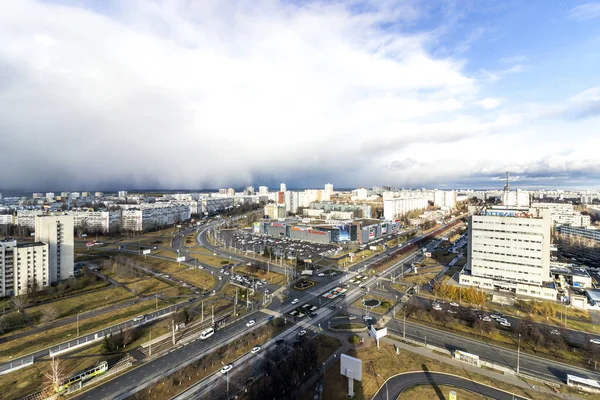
{"x": 395, "y": 385}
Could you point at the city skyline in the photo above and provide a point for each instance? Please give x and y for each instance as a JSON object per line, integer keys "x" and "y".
{"x": 132, "y": 95}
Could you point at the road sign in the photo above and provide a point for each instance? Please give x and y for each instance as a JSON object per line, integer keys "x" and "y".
{"x": 181, "y": 259}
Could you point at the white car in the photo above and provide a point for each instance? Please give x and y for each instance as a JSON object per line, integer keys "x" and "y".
{"x": 226, "y": 368}
{"x": 295, "y": 301}
{"x": 453, "y": 304}
{"x": 505, "y": 323}
{"x": 255, "y": 350}
{"x": 138, "y": 318}
{"x": 302, "y": 333}
{"x": 555, "y": 332}
{"x": 321, "y": 274}
{"x": 250, "y": 323}
{"x": 495, "y": 316}
{"x": 595, "y": 341}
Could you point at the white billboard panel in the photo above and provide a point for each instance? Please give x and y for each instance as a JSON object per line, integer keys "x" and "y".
{"x": 181, "y": 259}
{"x": 351, "y": 367}
{"x": 147, "y": 251}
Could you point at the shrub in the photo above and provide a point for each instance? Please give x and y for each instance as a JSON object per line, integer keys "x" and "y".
{"x": 354, "y": 339}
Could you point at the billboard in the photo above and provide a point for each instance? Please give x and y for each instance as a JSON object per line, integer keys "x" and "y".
{"x": 344, "y": 233}
{"x": 147, "y": 251}
{"x": 372, "y": 232}
{"x": 384, "y": 229}
{"x": 181, "y": 259}
{"x": 256, "y": 227}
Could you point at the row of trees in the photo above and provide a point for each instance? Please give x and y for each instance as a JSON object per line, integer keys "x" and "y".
{"x": 468, "y": 295}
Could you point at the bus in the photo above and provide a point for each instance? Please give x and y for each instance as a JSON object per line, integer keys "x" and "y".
{"x": 81, "y": 377}
{"x": 205, "y": 334}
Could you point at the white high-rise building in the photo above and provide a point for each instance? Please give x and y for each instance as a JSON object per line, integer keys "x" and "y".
{"x": 509, "y": 249}
{"x": 398, "y": 207}
{"x": 23, "y": 267}
{"x": 122, "y": 194}
{"x": 275, "y": 211}
{"x": 50, "y": 196}
{"x": 282, "y": 187}
{"x": 263, "y": 190}
{"x": 328, "y": 192}
{"x": 57, "y": 232}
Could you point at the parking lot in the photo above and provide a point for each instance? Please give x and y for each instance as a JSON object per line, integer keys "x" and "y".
{"x": 280, "y": 247}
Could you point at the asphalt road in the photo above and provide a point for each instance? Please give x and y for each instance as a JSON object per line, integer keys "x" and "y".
{"x": 529, "y": 364}
{"x": 394, "y": 386}
{"x": 94, "y": 335}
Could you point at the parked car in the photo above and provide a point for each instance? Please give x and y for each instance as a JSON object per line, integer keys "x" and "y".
{"x": 595, "y": 341}
{"x": 226, "y": 368}
{"x": 555, "y": 332}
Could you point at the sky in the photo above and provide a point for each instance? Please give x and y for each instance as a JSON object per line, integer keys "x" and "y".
{"x": 111, "y": 94}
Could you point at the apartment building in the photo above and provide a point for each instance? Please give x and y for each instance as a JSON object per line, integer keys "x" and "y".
{"x": 275, "y": 211}
{"x": 57, "y": 232}
{"x": 563, "y": 214}
{"x": 26, "y": 218}
{"x": 90, "y": 221}
{"x": 509, "y": 250}
{"x": 264, "y": 190}
{"x": 23, "y": 267}
{"x": 144, "y": 217}
{"x": 582, "y": 232}
{"x": 395, "y": 208}
{"x": 444, "y": 198}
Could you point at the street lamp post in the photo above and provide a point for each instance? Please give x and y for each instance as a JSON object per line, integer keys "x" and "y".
{"x": 78, "y": 312}
{"x": 519, "y": 354}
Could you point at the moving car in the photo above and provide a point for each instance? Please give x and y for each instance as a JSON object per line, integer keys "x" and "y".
{"x": 351, "y": 317}
{"x": 505, "y": 323}
{"x": 255, "y": 350}
{"x": 453, "y": 304}
{"x": 555, "y": 332}
{"x": 138, "y": 318}
{"x": 226, "y": 368}
{"x": 295, "y": 301}
{"x": 595, "y": 341}
{"x": 250, "y": 323}
{"x": 302, "y": 333}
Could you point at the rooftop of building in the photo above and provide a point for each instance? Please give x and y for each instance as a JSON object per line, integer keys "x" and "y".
{"x": 593, "y": 294}
{"x": 568, "y": 269}
{"x": 34, "y": 244}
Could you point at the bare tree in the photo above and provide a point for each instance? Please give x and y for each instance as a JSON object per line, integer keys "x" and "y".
{"x": 55, "y": 375}
{"x": 49, "y": 314}
{"x": 19, "y": 302}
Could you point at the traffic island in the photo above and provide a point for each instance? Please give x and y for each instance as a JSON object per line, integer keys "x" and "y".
{"x": 304, "y": 285}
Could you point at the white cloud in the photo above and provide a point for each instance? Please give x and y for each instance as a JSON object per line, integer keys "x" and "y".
{"x": 490, "y": 103}
{"x": 585, "y": 11}
{"x": 215, "y": 93}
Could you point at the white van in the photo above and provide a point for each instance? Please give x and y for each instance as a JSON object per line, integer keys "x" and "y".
{"x": 205, "y": 334}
